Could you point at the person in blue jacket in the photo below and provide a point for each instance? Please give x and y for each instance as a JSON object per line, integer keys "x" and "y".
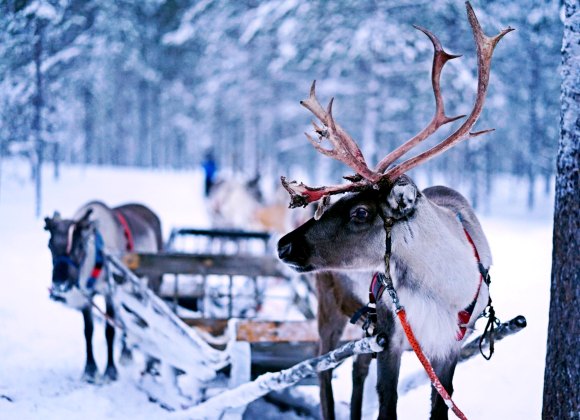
{"x": 210, "y": 168}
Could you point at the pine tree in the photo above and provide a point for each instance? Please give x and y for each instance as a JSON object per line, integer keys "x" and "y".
{"x": 562, "y": 374}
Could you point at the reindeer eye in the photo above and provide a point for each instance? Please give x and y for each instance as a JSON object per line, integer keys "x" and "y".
{"x": 360, "y": 214}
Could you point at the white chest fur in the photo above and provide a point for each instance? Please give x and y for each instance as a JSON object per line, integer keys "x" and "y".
{"x": 436, "y": 275}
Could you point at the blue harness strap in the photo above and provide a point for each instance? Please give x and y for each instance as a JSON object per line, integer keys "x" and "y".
{"x": 99, "y": 261}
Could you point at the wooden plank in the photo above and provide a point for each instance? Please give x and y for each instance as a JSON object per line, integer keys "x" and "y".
{"x": 204, "y": 264}
{"x": 276, "y": 331}
{"x": 221, "y": 233}
{"x": 261, "y": 331}
{"x": 213, "y": 326}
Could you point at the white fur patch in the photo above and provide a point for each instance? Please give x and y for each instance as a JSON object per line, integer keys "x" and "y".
{"x": 75, "y": 298}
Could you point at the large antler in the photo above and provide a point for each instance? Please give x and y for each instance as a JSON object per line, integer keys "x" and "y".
{"x": 440, "y": 57}
{"x": 346, "y": 150}
{"x": 485, "y": 46}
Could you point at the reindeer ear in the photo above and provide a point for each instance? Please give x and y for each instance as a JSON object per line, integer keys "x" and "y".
{"x": 322, "y": 206}
{"x": 84, "y": 221}
{"x": 48, "y": 224}
{"x": 402, "y": 199}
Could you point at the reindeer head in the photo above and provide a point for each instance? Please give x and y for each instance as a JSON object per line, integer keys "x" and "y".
{"x": 67, "y": 245}
{"x": 349, "y": 235}
{"x": 334, "y": 239}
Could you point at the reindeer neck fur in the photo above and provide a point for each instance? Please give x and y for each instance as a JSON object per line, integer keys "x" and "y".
{"x": 107, "y": 224}
{"x": 435, "y": 273}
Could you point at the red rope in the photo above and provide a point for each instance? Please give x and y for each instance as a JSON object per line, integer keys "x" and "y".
{"x": 427, "y": 365}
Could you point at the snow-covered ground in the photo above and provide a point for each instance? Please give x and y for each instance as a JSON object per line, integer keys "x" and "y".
{"x": 42, "y": 346}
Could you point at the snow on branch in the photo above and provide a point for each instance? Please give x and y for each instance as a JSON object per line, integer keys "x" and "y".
{"x": 468, "y": 351}
{"x": 152, "y": 327}
{"x": 276, "y": 381}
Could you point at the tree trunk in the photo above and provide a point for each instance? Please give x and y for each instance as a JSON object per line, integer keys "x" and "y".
{"x": 56, "y": 159}
{"x": 533, "y": 142}
{"x": 37, "y": 119}
{"x": 88, "y": 124}
{"x": 562, "y": 374}
{"x": 250, "y": 146}
{"x": 1, "y": 162}
{"x": 156, "y": 148}
{"x": 143, "y": 142}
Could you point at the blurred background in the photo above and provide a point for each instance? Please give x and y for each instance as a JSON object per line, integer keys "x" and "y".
{"x": 138, "y": 100}
{"x": 159, "y": 83}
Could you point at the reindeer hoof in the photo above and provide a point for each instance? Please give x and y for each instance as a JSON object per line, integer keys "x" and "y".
{"x": 110, "y": 374}
{"x": 126, "y": 358}
{"x": 91, "y": 375}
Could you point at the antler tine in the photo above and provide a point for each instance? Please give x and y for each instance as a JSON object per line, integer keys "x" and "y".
{"x": 440, "y": 57}
{"x": 344, "y": 148}
{"x": 319, "y": 148}
{"x": 313, "y": 105}
{"x": 485, "y": 46}
{"x": 301, "y": 195}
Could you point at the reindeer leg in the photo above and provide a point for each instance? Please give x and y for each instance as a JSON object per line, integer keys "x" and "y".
{"x": 360, "y": 371}
{"x": 111, "y": 370}
{"x": 90, "y": 373}
{"x": 329, "y": 337}
{"x": 388, "y": 365}
{"x": 331, "y": 323}
{"x": 444, "y": 369}
{"x": 126, "y": 354}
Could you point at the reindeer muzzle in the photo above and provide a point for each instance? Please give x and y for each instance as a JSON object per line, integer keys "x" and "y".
{"x": 295, "y": 253}
{"x": 64, "y": 271}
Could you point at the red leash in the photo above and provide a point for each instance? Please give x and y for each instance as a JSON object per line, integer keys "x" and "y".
{"x": 387, "y": 282}
{"x": 427, "y": 365}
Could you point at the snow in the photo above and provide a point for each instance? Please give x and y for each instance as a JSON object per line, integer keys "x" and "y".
{"x": 42, "y": 345}
{"x": 186, "y": 29}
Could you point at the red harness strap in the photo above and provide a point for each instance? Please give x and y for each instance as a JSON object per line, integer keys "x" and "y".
{"x": 464, "y": 315}
{"x": 126, "y": 230}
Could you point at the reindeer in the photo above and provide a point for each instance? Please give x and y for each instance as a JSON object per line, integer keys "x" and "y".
{"x": 428, "y": 244}
{"x": 79, "y": 270}
{"x": 239, "y": 204}
{"x": 233, "y": 203}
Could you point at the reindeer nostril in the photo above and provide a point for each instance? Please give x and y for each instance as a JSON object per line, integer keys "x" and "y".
{"x": 284, "y": 250}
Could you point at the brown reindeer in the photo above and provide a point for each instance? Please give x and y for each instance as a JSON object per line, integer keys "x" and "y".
{"x": 439, "y": 255}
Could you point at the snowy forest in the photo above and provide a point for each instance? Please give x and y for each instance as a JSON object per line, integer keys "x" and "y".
{"x": 124, "y": 101}
{"x": 157, "y": 83}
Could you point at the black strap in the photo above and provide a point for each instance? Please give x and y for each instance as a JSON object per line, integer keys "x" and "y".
{"x": 489, "y": 331}
{"x": 363, "y": 310}
{"x": 484, "y": 273}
